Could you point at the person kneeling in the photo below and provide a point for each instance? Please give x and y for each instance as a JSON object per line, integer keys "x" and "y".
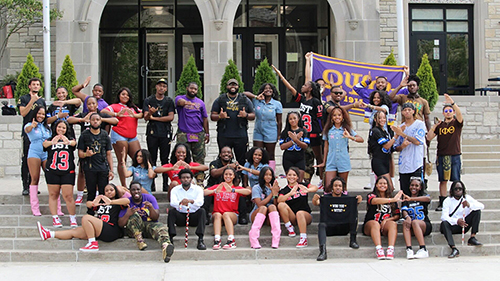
{"x": 337, "y": 216}
{"x": 102, "y": 226}
{"x": 142, "y": 216}
{"x": 456, "y": 207}
{"x": 187, "y": 198}
{"x": 226, "y": 198}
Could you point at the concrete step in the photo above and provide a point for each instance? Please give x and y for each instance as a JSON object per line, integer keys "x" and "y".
{"x": 336, "y": 252}
{"x": 481, "y": 163}
{"x": 480, "y": 170}
{"x": 28, "y": 228}
{"x": 480, "y": 155}
{"x": 468, "y": 142}
{"x": 480, "y": 148}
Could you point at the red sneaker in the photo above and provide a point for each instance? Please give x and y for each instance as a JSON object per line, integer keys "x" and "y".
{"x": 79, "y": 200}
{"x": 56, "y": 222}
{"x": 217, "y": 245}
{"x": 302, "y": 243}
{"x": 44, "y": 233}
{"x": 230, "y": 244}
{"x": 380, "y": 254}
{"x": 73, "y": 223}
{"x": 90, "y": 247}
{"x": 291, "y": 233}
{"x": 390, "y": 254}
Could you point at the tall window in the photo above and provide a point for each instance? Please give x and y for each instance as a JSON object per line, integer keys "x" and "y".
{"x": 444, "y": 33}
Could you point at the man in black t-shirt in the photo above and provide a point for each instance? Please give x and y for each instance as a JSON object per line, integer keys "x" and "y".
{"x": 232, "y": 111}
{"x": 159, "y": 111}
{"x": 94, "y": 150}
{"x": 26, "y": 104}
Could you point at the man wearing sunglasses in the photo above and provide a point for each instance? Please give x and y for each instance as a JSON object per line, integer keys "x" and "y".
{"x": 337, "y": 94}
{"x": 460, "y": 213}
{"x": 448, "y": 134}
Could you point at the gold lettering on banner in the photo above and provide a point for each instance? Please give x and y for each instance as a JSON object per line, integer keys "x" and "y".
{"x": 350, "y": 79}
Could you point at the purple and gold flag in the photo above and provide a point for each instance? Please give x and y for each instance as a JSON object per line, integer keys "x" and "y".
{"x": 348, "y": 73}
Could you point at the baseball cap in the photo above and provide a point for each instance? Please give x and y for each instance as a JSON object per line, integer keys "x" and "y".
{"x": 162, "y": 80}
{"x": 232, "y": 80}
{"x": 408, "y": 105}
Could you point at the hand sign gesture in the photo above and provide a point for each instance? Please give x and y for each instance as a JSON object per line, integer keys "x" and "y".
{"x": 34, "y": 123}
{"x": 369, "y": 78}
{"x": 86, "y": 83}
{"x": 89, "y": 152}
{"x": 346, "y": 134}
{"x": 152, "y": 110}
{"x": 242, "y": 113}
{"x": 222, "y": 114}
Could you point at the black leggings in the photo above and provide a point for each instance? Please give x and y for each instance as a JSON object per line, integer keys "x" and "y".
{"x": 472, "y": 221}
{"x": 335, "y": 230}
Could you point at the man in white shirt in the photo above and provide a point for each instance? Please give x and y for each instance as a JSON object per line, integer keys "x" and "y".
{"x": 410, "y": 144}
{"x": 183, "y": 197}
{"x": 455, "y": 207}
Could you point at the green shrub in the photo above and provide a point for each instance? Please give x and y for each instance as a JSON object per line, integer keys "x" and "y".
{"x": 264, "y": 74}
{"x": 427, "y": 88}
{"x": 189, "y": 74}
{"x": 67, "y": 77}
{"x": 230, "y": 72}
{"x": 30, "y": 70}
{"x": 390, "y": 60}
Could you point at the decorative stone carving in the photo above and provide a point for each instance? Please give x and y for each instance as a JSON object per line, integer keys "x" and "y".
{"x": 83, "y": 25}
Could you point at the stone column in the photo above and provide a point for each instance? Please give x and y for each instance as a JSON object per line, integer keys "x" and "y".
{"x": 218, "y": 20}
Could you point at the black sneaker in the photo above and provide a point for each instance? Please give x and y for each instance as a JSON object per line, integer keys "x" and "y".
{"x": 473, "y": 242}
{"x": 353, "y": 245}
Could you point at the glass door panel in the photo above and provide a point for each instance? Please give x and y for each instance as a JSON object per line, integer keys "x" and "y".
{"x": 160, "y": 61}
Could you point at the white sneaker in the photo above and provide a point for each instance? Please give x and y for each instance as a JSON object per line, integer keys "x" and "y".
{"x": 409, "y": 254}
{"x": 421, "y": 254}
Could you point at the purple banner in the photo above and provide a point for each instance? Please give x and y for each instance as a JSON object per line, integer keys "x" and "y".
{"x": 349, "y": 73}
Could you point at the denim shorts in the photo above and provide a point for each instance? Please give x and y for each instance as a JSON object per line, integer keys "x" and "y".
{"x": 36, "y": 151}
{"x": 116, "y": 137}
{"x": 266, "y": 132}
{"x": 456, "y": 166}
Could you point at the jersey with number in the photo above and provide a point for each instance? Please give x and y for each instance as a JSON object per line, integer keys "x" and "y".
{"x": 311, "y": 111}
{"x": 60, "y": 158}
{"x": 416, "y": 210}
{"x": 108, "y": 213}
{"x": 379, "y": 212}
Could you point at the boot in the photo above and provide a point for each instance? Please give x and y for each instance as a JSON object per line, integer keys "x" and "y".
{"x": 274, "y": 218}
{"x": 440, "y": 206}
{"x": 322, "y": 253}
{"x": 59, "y": 212}
{"x": 254, "y": 233}
{"x": 352, "y": 243}
{"x": 35, "y": 207}
{"x": 272, "y": 164}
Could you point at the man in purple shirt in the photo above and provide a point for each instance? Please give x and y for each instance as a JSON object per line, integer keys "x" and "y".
{"x": 97, "y": 92}
{"x": 142, "y": 216}
{"x": 193, "y": 125}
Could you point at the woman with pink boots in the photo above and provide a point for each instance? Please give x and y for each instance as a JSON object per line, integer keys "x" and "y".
{"x": 38, "y": 131}
{"x": 264, "y": 195}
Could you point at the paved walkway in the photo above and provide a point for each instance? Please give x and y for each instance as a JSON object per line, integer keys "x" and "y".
{"x": 462, "y": 268}
{"x": 13, "y": 186}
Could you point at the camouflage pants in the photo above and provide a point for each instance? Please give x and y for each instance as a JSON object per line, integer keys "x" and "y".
{"x": 155, "y": 230}
{"x": 197, "y": 148}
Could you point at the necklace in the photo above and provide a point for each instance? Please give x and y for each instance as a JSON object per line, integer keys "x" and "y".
{"x": 231, "y": 99}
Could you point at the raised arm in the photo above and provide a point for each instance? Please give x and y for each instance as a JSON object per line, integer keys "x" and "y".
{"x": 287, "y": 84}
{"x": 76, "y": 90}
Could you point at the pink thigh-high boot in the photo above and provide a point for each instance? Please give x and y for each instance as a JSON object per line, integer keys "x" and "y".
{"x": 274, "y": 218}
{"x": 254, "y": 233}
{"x": 35, "y": 207}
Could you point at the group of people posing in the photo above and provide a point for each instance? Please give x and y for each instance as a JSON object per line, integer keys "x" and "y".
{"x": 320, "y": 130}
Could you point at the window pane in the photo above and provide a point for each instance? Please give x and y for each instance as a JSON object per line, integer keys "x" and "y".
{"x": 427, "y": 26}
{"x": 157, "y": 16}
{"x": 457, "y": 26}
{"x": 264, "y": 13}
{"x": 427, "y": 14}
{"x": 458, "y": 60}
{"x": 456, "y": 14}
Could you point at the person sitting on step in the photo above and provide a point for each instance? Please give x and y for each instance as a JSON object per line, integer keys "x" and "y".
{"x": 460, "y": 213}
{"x": 327, "y": 227}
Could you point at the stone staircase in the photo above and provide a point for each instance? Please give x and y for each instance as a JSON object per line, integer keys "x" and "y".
{"x": 481, "y": 156}
{"x": 20, "y": 242}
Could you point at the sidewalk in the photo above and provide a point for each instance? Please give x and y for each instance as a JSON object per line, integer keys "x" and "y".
{"x": 13, "y": 186}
